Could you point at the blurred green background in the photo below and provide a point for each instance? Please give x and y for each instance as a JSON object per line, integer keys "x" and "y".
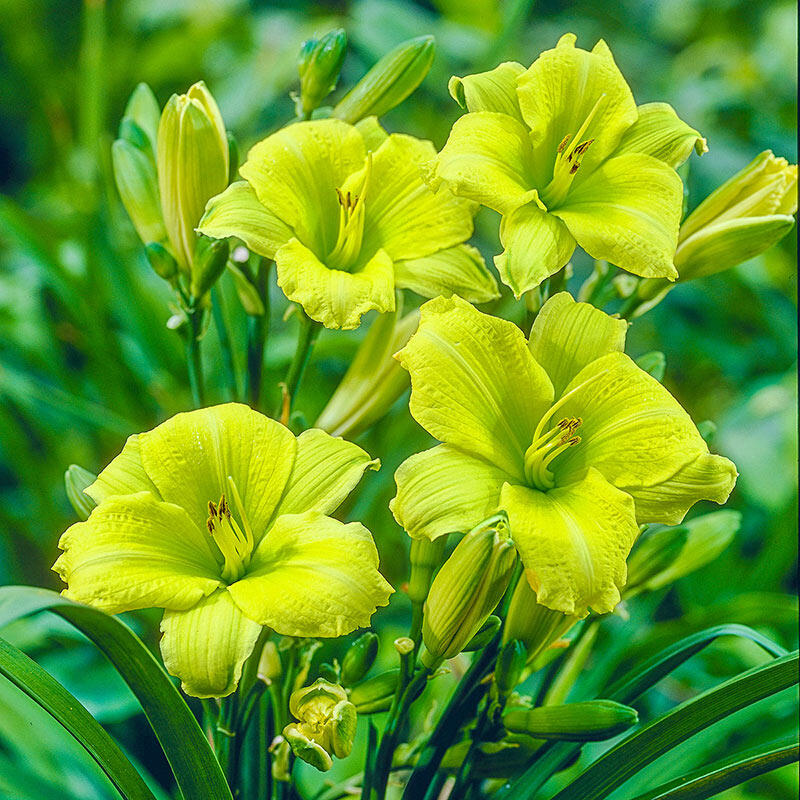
{"x": 86, "y": 357}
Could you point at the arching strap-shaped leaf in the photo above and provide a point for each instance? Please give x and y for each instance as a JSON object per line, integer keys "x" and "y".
{"x": 194, "y": 765}
{"x": 726, "y": 773}
{"x": 30, "y": 678}
{"x": 644, "y": 746}
{"x": 554, "y": 757}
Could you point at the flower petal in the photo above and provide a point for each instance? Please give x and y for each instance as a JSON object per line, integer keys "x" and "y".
{"x": 707, "y": 477}
{"x": 326, "y": 469}
{"x": 457, "y": 270}
{"x": 135, "y": 551}
{"x": 124, "y": 475}
{"x": 404, "y": 216}
{"x": 495, "y": 90}
{"x": 335, "y": 298}
{"x": 296, "y": 171}
{"x": 207, "y": 645}
{"x": 661, "y": 133}
{"x": 372, "y": 132}
{"x": 567, "y": 336}
{"x": 627, "y": 212}
{"x": 573, "y": 542}
{"x": 474, "y": 383}
{"x": 238, "y": 212}
{"x": 313, "y": 576}
{"x": 557, "y": 94}
{"x": 190, "y": 456}
{"x": 443, "y": 490}
{"x": 537, "y": 245}
{"x": 637, "y": 435}
{"x": 488, "y": 158}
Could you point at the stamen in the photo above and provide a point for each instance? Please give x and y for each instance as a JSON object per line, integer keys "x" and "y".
{"x": 351, "y": 223}
{"x": 235, "y": 545}
{"x": 546, "y": 449}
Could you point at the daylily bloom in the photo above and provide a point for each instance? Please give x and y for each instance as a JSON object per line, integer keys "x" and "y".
{"x": 220, "y": 517}
{"x": 564, "y": 154}
{"x": 564, "y": 432}
{"x": 347, "y": 217}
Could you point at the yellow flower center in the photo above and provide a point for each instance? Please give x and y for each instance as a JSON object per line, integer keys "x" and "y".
{"x": 568, "y": 160}
{"x": 234, "y": 541}
{"x": 351, "y": 223}
{"x": 545, "y": 448}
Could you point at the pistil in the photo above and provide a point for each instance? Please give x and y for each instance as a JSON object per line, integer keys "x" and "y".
{"x": 351, "y": 223}
{"x": 546, "y": 448}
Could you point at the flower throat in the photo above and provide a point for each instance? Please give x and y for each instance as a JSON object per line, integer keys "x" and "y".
{"x": 351, "y": 223}
{"x": 235, "y": 542}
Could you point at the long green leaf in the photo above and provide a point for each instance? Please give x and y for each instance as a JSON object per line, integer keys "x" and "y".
{"x": 731, "y": 771}
{"x": 196, "y": 769}
{"x": 554, "y": 757}
{"x": 641, "y": 748}
{"x": 28, "y": 676}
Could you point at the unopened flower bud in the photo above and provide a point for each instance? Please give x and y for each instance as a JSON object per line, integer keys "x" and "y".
{"x": 326, "y": 725}
{"x": 389, "y": 82}
{"x": 706, "y": 538}
{"x": 192, "y": 166}
{"x": 591, "y": 721}
{"x": 535, "y": 625}
{"x": 141, "y": 115}
{"x": 510, "y": 663}
{"x": 653, "y": 363}
{"x": 425, "y": 557}
{"x": 319, "y": 64}
{"x": 76, "y": 479}
{"x": 211, "y": 255}
{"x": 655, "y": 551}
{"x": 374, "y": 380}
{"x": 161, "y": 260}
{"x": 404, "y": 645}
{"x": 269, "y": 664}
{"x": 375, "y": 694}
{"x": 137, "y": 184}
{"x": 467, "y": 589}
{"x": 359, "y": 658}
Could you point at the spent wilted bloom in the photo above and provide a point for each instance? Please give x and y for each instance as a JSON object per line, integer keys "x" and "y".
{"x": 346, "y": 215}
{"x": 220, "y": 517}
{"x": 562, "y": 151}
{"x": 564, "y": 432}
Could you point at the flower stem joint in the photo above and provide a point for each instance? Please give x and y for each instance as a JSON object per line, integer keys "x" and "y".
{"x": 467, "y": 589}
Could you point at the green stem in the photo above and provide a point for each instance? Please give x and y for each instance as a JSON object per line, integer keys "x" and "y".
{"x": 307, "y": 336}
{"x": 629, "y": 306}
{"x": 221, "y": 324}
{"x": 258, "y": 330}
{"x": 193, "y": 362}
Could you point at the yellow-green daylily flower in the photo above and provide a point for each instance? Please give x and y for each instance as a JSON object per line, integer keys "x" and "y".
{"x": 564, "y": 154}
{"x": 220, "y": 517}
{"x": 346, "y": 215}
{"x": 564, "y": 432}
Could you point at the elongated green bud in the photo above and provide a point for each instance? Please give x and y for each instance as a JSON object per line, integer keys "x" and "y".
{"x": 192, "y": 161}
{"x": 389, "y": 82}
{"x": 467, "y": 589}
{"x": 137, "y": 184}
{"x": 375, "y": 694}
{"x": 484, "y": 635}
{"x": 707, "y": 536}
{"x": 359, "y": 658}
{"x": 269, "y": 664}
{"x": 374, "y": 380}
{"x": 161, "y": 260}
{"x": 510, "y": 664}
{"x": 655, "y": 552}
{"x": 319, "y": 64}
{"x": 76, "y": 479}
{"x": 653, "y": 363}
{"x": 425, "y": 557}
{"x": 142, "y": 110}
{"x": 211, "y": 255}
{"x": 535, "y": 625}
{"x": 326, "y": 724}
{"x": 592, "y": 721}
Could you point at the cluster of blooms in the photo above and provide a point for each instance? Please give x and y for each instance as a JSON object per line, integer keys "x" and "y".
{"x": 222, "y": 516}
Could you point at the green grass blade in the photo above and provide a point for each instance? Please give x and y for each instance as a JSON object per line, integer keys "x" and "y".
{"x": 724, "y": 774}
{"x": 194, "y": 765}
{"x": 628, "y": 690}
{"x": 30, "y": 678}
{"x": 644, "y": 746}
